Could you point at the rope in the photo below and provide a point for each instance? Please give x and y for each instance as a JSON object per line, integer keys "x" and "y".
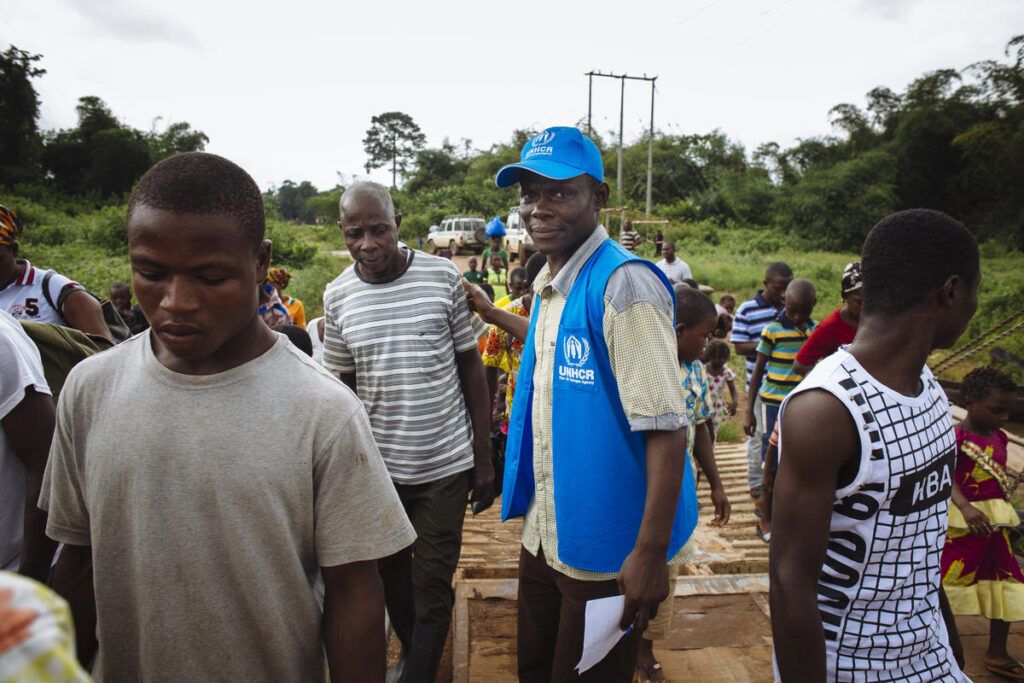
{"x": 984, "y": 346}
{"x": 975, "y": 345}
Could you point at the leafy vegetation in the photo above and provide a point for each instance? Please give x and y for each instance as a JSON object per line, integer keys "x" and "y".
{"x": 951, "y": 140}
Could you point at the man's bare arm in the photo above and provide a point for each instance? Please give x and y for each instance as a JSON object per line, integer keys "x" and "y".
{"x": 516, "y": 325}
{"x": 29, "y": 431}
{"x": 805, "y": 489}
{"x": 801, "y": 369}
{"x": 83, "y": 312}
{"x": 756, "y": 377}
{"x": 354, "y": 622}
{"x": 72, "y": 579}
{"x": 745, "y": 348}
{"x": 474, "y": 389}
{"x": 643, "y": 578}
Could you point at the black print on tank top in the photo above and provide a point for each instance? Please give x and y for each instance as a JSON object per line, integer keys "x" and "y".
{"x": 921, "y": 490}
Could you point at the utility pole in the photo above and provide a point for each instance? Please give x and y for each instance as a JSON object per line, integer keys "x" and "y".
{"x": 618, "y": 172}
{"x": 590, "y": 101}
{"x": 650, "y": 150}
{"x": 622, "y": 102}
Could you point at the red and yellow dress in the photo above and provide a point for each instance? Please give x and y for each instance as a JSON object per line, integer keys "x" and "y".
{"x": 979, "y": 573}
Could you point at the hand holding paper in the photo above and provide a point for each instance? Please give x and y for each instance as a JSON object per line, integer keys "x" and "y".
{"x": 601, "y": 630}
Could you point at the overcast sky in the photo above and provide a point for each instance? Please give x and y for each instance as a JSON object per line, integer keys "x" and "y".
{"x": 287, "y": 89}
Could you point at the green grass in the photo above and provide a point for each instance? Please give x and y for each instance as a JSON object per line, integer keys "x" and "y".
{"x": 90, "y": 247}
{"x": 730, "y": 432}
{"x": 733, "y": 262}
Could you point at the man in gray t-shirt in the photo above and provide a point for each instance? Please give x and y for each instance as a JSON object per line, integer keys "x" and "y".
{"x": 208, "y": 524}
{"x": 398, "y": 332}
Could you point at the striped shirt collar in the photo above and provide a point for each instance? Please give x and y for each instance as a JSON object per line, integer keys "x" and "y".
{"x": 563, "y": 282}
{"x": 28, "y": 273}
{"x": 789, "y": 325}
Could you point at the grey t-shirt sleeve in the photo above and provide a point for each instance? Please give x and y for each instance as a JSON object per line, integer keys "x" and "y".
{"x": 463, "y": 335}
{"x": 358, "y": 515}
{"x": 62, "y": 494}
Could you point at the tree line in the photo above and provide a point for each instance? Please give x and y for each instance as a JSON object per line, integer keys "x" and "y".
{"x": 951, "y": 140}
{"x": 100, "y": 159}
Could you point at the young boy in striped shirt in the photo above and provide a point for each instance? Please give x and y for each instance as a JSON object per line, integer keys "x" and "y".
{"x": 773, "y": 377}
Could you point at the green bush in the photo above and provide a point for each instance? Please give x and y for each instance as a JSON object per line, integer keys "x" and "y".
{"x": 288, "y": 248}
{"x": 308, "y": 283}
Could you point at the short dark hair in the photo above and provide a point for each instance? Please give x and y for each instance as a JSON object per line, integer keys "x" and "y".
{"x": 297, "y": 336}
{"x": 693, "y": 306}
{"x": 717, "y": 348}
{"x": 690, "y": 282}
{"x": 726, "y": 297}
{"x": 910, "y": 253}
{"x": 518, "y": 271}
{"x": 777, "y": 269}
{"x": 488, "y": 290}
{"x": 977, "y": 383}
{"x": 199, "y": 182}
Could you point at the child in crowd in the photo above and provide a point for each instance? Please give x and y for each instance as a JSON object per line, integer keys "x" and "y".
{"x": 279, "y": 278}
{"x": 695, "y": 318}
{"x": 725, "y": 306}
{"x": 271, "y": 309}
{"x": 190, "y": 530}
{"x": 496, "y": 276}
{"x": 297, "y": 336}
{"x": 838, "y": 328}
{"x": 121, "y": 296}
{"x": 979, "y": 571}
{"x": 773, "y": 377}
{"x": 720, "y": 376}
{"x": 473, "y": 275}
{"x": 315, "y": 330}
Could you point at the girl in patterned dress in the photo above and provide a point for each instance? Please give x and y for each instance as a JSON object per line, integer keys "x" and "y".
{"x": 979, "y": 572}
{"x": 720, "y": 376}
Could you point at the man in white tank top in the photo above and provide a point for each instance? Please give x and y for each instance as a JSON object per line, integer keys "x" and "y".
{"x": 865, "y": 471}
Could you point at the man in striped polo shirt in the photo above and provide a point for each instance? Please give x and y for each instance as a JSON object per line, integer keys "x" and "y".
{"x": 398, "y": 332}
{"x": 751, "y": 317}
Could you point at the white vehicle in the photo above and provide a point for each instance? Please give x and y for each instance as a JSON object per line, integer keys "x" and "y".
{"x": 517, "y": 242}
{"x": 458, "y": 233}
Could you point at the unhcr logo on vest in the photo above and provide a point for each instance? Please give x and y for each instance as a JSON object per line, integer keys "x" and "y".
{"x": 540, "y": 144}
{"x": 575, "y": 354}
{"x": 576, "y": 350}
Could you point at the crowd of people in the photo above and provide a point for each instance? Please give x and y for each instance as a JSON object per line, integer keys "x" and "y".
{"x": 238, "y": 494}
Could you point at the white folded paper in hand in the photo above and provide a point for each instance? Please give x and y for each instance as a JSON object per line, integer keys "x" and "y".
{"x": 601, "y": 630}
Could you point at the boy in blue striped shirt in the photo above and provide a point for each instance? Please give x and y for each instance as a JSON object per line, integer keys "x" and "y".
{"x": 751, "y": 317}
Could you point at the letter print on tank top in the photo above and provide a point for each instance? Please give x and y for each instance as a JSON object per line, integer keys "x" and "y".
{"x": 877, "y": 593}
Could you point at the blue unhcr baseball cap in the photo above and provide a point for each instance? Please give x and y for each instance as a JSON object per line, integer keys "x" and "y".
{"x": 559, "y": 153}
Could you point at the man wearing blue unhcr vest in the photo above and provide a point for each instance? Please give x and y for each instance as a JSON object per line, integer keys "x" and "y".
{"x": 596, "y": 446}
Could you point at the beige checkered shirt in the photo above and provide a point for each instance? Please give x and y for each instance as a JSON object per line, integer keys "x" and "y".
{"x": 642, "y": 350}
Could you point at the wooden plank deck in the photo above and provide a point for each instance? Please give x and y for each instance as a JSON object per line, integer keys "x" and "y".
{"x": 721, "y": 622}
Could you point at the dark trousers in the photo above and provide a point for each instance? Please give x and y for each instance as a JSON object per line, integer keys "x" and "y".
{"x": 418, "y": 579}
{"x": 552, "y": 610}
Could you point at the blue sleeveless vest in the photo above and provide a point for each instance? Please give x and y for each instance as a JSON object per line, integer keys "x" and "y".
{"x": 600, "y": 466}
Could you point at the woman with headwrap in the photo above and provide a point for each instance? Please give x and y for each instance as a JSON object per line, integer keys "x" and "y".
{"x": 39, "y": 295}
{"x": 279, "y": 278}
